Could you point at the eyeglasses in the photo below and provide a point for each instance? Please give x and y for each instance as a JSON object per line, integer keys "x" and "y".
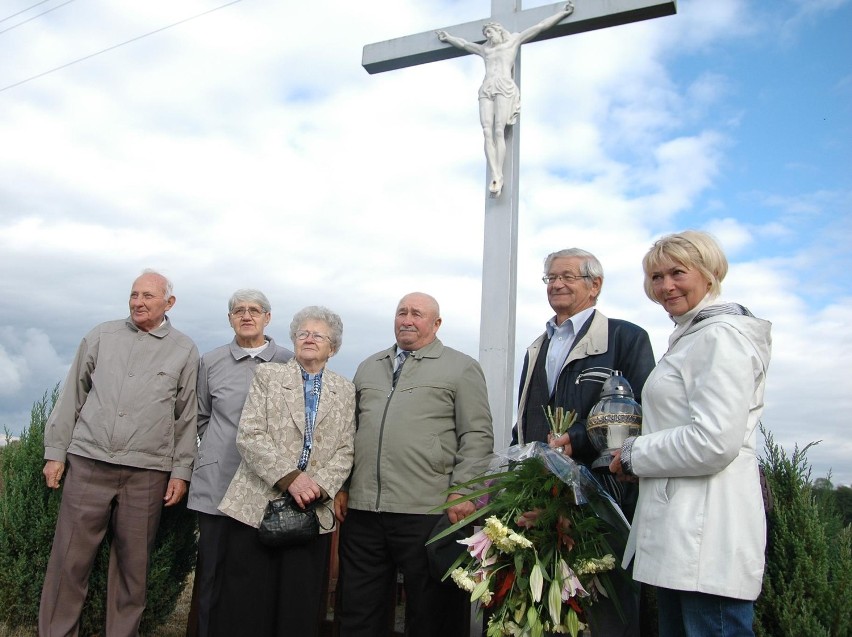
{"x": 253, "y": 311}
{"x": 303, "y": 335}
{"x": 565, "y": 278}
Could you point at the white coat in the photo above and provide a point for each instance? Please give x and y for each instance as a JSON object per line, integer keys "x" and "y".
{"x": 699, "y": 523}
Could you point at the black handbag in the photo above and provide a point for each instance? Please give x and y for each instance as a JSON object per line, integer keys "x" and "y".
{"x": 285, "y": 524}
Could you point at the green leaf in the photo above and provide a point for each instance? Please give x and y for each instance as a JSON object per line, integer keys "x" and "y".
{"x": 466, "y": 497}
{"x": 533, "y": 621}
{"x": 519, "y": 563}
{"x": 572, "y": 622}
{"x": 481, "y": 479}
{"x": 462, "y": 523}
{"x": 479, "y": 589}
{"x": 519, "y": 613}
{"x": 461, "y": 558}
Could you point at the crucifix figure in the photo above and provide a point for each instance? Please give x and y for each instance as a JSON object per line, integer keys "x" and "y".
{"x": 499, "y": 96}
{"x": 500, "y": 255}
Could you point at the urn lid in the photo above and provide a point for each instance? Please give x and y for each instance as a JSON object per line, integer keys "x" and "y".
{"x": 616, "y": 385}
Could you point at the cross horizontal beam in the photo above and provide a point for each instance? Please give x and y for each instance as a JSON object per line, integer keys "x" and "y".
{"x": 425, "y": 47}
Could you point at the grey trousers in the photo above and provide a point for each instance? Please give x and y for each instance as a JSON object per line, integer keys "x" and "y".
{"x": 97, "y": 495}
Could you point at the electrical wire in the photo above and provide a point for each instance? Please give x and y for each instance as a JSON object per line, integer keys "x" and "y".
{"x": 38, "y": 15}
{"x": 23, "y": 10}
{"x": 115, "y": 46}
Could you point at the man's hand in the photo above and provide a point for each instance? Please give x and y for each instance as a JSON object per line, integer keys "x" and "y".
{"x": 461, "y": 510}
{"x": 528, "y": 519}
{"x": 341, "y": 505}
{"x": 563, "y": 528}
{"x": 563, "y": 442}
{"x": 53, "y": 470}
{"x": 175, "y": 491}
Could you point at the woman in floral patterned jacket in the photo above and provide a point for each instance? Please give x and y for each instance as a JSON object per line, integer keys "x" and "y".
{"x": 296, "y": 435}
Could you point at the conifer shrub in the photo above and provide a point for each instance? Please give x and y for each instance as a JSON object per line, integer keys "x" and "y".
{"x": 28, "y": 511}
{"x": 807, "y": 585}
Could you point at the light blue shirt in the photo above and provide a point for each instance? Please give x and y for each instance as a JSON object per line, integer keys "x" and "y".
{"x": 562, "y": 339}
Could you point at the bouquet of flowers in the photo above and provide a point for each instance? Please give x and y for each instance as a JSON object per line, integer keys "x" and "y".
{"x": 544, "y": 575}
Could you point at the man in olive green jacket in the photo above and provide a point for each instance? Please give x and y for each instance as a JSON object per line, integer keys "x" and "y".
{"x": 424, "y": 425}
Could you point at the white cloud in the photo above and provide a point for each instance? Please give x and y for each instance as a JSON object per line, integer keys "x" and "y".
{"x": 733, "y": 235}
{"x": 29, "y": 365}
{"x": 10, "y": 373}
{"x": 248, "y": 148}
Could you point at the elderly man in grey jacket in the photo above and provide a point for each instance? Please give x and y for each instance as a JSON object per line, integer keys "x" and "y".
{"x": 423, "y": 426}
{"x": 123, "y": 437}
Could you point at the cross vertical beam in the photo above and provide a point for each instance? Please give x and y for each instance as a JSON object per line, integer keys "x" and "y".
{"x": 500, "y": 274}
{"x": 500, "y": 254}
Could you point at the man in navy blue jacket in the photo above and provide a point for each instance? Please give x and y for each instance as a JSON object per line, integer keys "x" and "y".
{"x": 566, "y": 366}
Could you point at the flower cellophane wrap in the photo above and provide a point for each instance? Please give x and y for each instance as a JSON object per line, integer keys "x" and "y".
{"x": 542, "y": 578}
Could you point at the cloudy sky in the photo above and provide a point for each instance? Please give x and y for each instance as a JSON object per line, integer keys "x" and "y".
{"x": 247, "y": 147}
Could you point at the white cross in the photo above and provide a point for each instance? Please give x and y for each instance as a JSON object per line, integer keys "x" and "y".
{"x": 500, "y": 256}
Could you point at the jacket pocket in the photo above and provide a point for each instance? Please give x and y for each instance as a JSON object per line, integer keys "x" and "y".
{"x": 663, "y": 489}
{"x": 201, "y": 463}
{"x": 436, "y": 455}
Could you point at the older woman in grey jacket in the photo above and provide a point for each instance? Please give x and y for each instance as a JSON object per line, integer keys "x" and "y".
{"x": 296, "y": 434}
{"x": 224, "y": 377}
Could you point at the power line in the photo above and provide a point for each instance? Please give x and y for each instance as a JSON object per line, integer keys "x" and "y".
{"x": 38, "y": 15}
{"x": 115, "y": 46}
{"x": 23, "y": 11}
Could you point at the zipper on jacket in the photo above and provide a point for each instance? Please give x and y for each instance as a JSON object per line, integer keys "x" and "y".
{"x": 379, "y": 453}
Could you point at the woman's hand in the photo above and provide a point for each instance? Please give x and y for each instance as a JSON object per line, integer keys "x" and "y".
{"x": 304, "y": 490}
{"x": 616, "y": 468}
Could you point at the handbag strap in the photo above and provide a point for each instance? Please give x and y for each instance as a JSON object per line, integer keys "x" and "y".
{"x": 287, "y": 497}
{"x": 333, "y": 519}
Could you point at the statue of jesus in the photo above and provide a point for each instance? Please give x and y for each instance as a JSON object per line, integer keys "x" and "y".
{"x": 499, "y": 97}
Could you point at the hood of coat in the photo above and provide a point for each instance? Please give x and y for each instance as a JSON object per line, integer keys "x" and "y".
{"x": 757, "y": 331}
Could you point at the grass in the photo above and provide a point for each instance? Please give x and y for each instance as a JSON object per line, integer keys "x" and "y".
{"x": 174, "y": 626}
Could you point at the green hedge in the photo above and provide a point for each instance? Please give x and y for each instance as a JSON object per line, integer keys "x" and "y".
{"x": 807, "y": 585}
{"x": 28, "y": 511}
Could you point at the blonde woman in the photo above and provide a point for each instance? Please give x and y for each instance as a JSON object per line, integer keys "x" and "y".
{"x": 699, "y": 530}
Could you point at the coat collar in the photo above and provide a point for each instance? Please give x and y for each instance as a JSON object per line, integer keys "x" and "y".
{"x": 161, "y": 331}
{"x": 266, "y": 355}
{"x": 592, "y": 340}
{"x": 432, "y": 350}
